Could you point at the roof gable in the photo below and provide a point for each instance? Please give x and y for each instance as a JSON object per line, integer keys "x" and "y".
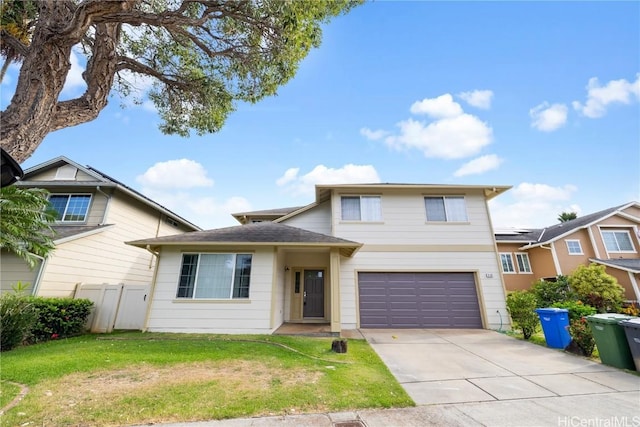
{"x": 44, "y": 175}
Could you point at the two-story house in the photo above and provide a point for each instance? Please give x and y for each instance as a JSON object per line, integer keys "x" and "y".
{"x": 609, "y": 237}
{"x": 359, "y": 256}
{"x": 96, "y": 215}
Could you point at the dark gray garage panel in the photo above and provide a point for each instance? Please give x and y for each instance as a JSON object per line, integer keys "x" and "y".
{"x": 418, "y": 300}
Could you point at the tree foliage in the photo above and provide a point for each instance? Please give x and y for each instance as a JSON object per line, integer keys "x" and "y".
{"x": 25, "y": 223}
{"x": 593, "y": 286}
{"x": 567, "y": 216}
{"x": 200, "y": 57}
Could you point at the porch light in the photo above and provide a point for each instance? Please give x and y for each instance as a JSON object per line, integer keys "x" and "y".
{"x": 10, "y": 170}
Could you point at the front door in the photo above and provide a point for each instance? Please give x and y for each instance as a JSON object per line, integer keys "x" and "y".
{"x": 313, "y": 296}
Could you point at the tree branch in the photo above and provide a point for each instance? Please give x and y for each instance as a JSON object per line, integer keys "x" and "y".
{"x": 6, "y": 39}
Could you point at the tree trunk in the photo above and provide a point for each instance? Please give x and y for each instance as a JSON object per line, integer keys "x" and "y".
{"x": 27, "y": 119}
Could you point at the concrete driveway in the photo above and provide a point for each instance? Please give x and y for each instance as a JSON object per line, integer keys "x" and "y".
{"x": 487, "y": 378}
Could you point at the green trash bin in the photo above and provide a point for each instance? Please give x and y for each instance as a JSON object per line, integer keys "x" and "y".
{"x": 611, "y": 340}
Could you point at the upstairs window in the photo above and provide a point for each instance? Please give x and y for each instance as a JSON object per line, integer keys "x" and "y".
{"x": 446, "y": 209}
{"x": 507, "y": 263}
{"x": 70, "y": 207}
{"x": 361, "y": 208}
{"x": 574, "y": 247}
{"x": 524, "y": 266}
{"x": 617, "y": 241}
{"x": 214, "y": 276}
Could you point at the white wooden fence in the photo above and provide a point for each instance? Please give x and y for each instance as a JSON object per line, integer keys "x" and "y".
{"x": 115, "y": 306}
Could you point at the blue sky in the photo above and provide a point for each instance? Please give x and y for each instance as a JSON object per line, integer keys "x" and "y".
{"x": 542, "y": 96}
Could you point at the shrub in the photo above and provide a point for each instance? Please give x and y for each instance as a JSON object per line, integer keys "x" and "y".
{"x": 521, "y": 306}
{"x": 577, "y": 309}
{"x": 549, "y": 292}
{"x": 59, "y": 317}
{"x": 631, "y": 310}
{"x": 17, "y": 317}
{"x": 595, "y": 287}
{"x": 579, "y": 328}
{"x": 582, "y": 336}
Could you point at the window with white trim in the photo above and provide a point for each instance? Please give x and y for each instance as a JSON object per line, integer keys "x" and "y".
{"x": 524, "y": 266}
{"x": 617, "y": 241}
{"x": 214, "y": 276}
{"x": 70, "y": 207}
{"x": 507, "y": 263}
{"x": 574, "y": 247}
{"x": 361, "y": 208}
{"x": 446, "y": 208}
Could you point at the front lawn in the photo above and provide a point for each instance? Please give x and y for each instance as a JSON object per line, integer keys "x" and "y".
{"x": 140, "y": 378}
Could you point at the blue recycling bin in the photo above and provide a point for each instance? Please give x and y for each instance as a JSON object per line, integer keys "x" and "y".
{"x": 555, "y": 325}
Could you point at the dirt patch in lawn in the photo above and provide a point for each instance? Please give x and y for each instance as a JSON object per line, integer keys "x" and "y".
{"x": 71, "y": 395}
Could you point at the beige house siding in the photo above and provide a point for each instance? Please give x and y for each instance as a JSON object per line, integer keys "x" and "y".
{"x": 50, "y": 175}
{"x": 316, "y": 219}
{"x": 404, "y": 222}
{"x": 253, "y": 315}
{"x": 484, "y": 264}
{"x": 103, "y": 257}
{"x": 15, "y": 270}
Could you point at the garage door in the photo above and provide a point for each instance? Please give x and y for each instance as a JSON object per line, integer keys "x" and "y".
{"x": 418, "y": 300}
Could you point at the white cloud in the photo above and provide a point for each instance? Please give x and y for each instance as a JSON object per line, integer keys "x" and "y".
{"x": 348, "y": 174}
{"x": 289, "y": 175}
{"x": 547, "y": 117}
{"x": 479, "y": 165}
{"x": 528, "y": 191}
{"x": 600, "y": 97}
{"x": 74, "y": 79}
{"x": 441, "y": 107}
{"x": 532, "y": 206}
{"x": 449, "y": 138}
{"x": 478, "y": 98}
{"x": 373, "y": 135}
{"x": 182, "y": 173}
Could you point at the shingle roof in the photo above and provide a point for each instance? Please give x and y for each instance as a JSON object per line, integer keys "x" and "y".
{"x": 66, "y": 231}
{"x": 542, "y": 236}
{"x": 259, "y": 234}
{"x": 632, "y": 264}
{"x": 519, "y": 237}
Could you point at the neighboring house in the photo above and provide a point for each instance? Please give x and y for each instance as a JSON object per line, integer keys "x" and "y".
{"x": 96, "y": 215}
{"x": 609, "y": 237}
{"x": 359, "y": 256}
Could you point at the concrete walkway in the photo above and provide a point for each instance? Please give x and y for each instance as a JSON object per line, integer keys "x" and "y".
{"x": 482, "y": 378}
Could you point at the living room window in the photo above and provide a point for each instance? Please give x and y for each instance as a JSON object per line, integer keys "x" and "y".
{"x": 524, "y": 266}
{"x": 361, "y": 208}
{"x": 617, "y": 241}
{"x": 574, "y": 247}
{"x": 70, "y": 207}
{"x": 446, "y": 209}
{"x": 507, "y": 263}
{"x": 214, "y": 276}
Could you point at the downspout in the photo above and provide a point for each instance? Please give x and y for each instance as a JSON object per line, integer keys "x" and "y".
{"x": 106, "y": 209}
{"x": 556, "y": 263}
{"x": 152, "y": 288}
{"x": 634, "y": 284}
{"x": 36, "y": 284}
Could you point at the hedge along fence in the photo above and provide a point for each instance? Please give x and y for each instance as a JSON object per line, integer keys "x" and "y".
{"x": 27, "y": 319}
{"x": 59, "y": 317}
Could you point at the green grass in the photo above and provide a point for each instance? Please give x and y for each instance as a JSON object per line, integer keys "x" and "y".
{"x": 7, "y": 392}
{"x": 136, "y": 378}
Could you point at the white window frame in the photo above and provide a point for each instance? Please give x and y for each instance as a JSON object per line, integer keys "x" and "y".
{"x": 513, "y": 266}
{"x": 197, "y": 273}
{"x": 568, "y": 242}
{"x": 522, "y": 256}
{"x": 365, "y": 216}
{"x": 617, "y": 231}
{"x": 66, "y": 207}
{"x": 448, "y": 211}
